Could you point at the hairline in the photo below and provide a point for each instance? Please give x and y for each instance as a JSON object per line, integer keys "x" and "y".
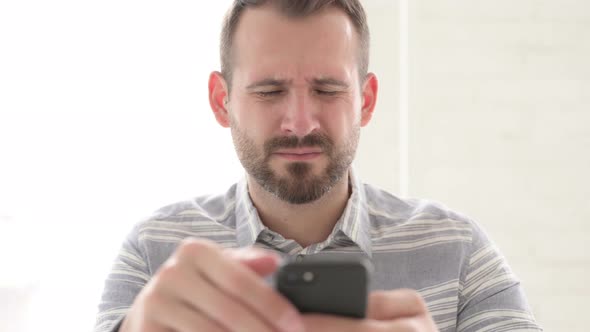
{"x": 229, "y": 31}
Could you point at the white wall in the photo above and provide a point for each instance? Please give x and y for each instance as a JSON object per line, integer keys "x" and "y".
{"x": 378, "y": 154}
{"x": 103, "y": 119}
{"x": 499, "y": 129}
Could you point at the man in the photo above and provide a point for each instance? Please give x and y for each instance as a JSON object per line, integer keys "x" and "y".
{"x": 295, "y": 90}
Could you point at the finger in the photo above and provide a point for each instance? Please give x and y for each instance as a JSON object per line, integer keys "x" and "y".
{"x": 412, "y": 324}
{"x": 323, "y": 323}
{"x": 218, "y": 306}
{"x": 242, "y": 284}
{"x": 393, "y": 304}
{"x": 262, "y": 262}
{"x": 181, "y": 318}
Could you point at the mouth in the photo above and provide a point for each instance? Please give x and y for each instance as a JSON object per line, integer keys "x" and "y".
{"x": 298, "y": 154}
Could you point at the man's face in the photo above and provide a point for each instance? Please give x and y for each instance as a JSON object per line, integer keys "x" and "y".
{"x": 295, "y": 102}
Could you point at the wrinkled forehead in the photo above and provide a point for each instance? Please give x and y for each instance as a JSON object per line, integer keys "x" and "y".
{"x": 268, "y": 44}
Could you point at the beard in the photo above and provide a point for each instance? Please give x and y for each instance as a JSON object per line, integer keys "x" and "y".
{"x": 300, "y": 185}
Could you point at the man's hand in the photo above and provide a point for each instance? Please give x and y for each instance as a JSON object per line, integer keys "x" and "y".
{"x": 388, "y": 311}
{"x": 203, "y": 287}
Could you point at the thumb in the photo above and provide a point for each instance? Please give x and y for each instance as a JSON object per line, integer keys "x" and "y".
{"x": 398, "y": 303}
{"x": 262, "y": 262}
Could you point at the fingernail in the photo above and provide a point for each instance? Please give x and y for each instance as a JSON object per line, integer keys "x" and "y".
{"x": 278, "y": 259}
{"x": 291, "y": 322}
{"x": 244, "y": 253}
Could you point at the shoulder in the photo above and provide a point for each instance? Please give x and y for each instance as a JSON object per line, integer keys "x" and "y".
{"x": 384, "y": 204}
{"x": 389, "y": 213}
{"x": 206, "y": 205}
{"x": 199, "y": 214}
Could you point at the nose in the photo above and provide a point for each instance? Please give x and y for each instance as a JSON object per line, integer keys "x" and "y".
{"x": 300, "y": 115}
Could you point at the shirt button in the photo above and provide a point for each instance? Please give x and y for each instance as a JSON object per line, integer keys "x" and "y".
{"x": 299, "y": 258}
{"x": 270, "y": 237}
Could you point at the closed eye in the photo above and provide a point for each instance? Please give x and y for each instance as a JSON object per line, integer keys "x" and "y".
{"x": 327, "y": 92}
{"x": 269, "y": 93}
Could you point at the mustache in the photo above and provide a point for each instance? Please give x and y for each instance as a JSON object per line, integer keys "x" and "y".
{"x": 292, "y": 142}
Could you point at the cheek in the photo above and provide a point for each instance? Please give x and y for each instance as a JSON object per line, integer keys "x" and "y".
{"x": 257, "y": 120}
{"x": 251, "y": 126}
{"x": 339, "y": 123}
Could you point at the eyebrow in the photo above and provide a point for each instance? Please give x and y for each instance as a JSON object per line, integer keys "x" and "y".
{"x": 268, "y": 82}
{"x": 330, "y": 81}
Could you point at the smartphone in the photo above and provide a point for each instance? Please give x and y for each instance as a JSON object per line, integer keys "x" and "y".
{"x": 327, "y": 286}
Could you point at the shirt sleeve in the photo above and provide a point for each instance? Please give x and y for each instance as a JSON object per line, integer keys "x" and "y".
{"x": 129, "y": 274}
{"x": 491, "y": 298}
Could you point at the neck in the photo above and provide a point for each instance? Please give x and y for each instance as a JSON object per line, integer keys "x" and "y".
{"x": 305, "y": 223}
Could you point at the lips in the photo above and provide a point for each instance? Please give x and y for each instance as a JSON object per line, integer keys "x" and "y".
{"x": 299, "y": 154}
{"x": 299, "y": 151}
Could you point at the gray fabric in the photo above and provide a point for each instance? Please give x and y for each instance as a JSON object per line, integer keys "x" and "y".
{"x": 465, "y": 281}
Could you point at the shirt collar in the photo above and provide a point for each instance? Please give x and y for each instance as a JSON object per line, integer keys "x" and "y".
{"x": 248, "y": 223}
{"x": 354, "y": 222}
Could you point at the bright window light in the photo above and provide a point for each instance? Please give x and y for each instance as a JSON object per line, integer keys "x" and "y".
{"x": 103, "y": 118}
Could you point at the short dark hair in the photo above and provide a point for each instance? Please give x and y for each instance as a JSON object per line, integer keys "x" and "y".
{"x": 295, "y": 8}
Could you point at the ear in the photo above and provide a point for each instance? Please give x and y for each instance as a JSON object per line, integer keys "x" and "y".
{"x": 369, "y": 95}
{"x": 218, "y": 98}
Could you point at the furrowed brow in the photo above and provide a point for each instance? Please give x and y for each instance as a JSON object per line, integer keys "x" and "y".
{"x": 330, "y": 82}
{"x": 268, "y": 82}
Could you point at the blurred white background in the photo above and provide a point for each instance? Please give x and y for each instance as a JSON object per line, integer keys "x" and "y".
{"x": 104, "y": 118}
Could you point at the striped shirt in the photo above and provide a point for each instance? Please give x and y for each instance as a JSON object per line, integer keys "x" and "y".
{"x": 464, "y": 280}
